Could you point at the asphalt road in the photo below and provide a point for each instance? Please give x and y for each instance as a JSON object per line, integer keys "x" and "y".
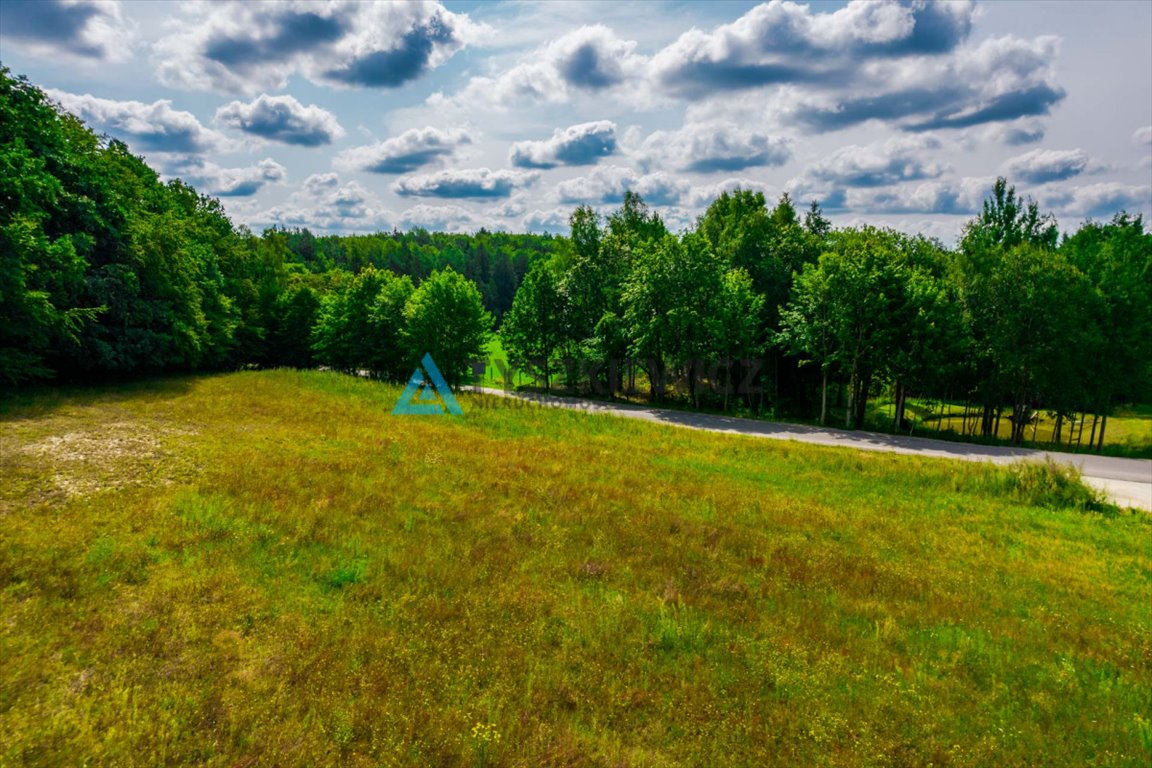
{"x": 1128, "y": 482}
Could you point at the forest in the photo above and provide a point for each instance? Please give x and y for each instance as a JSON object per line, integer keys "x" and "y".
{"x": 109, "y": 272}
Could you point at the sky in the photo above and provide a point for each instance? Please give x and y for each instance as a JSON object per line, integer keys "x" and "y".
{"x": 358, "y": 117}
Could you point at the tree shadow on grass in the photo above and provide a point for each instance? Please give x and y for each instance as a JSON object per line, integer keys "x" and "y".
{"x": 45, "y": 399}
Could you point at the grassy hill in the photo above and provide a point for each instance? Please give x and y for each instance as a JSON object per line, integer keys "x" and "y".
{"x": 270, "y": 569}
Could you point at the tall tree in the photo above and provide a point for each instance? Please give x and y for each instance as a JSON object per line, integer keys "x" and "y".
{"x": 445, "y": 317}
{"x": 533, "y": 329}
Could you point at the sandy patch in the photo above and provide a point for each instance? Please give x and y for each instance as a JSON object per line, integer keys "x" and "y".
{"x": 112, "y": 455}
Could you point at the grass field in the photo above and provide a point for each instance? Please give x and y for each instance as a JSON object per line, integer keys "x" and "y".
{"x": 267, "y": 568}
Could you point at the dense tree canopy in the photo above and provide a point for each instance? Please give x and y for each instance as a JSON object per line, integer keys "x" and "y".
{"x": 107, "y": 270}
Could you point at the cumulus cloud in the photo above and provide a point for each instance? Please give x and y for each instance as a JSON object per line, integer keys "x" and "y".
{"x": 702, "y": 148}
{"x": 890, "y": 162}
{"x": 283, "y": 119}
{"x": 783, "y": 42}
{"x": 245, "y": 48}
{"x": 591, "y": 59}
{"x": 324, "y": 202}
{"x": 608, "y": 185}
{"x": 1000, "y": 80}
{"x": 445, "y": 218}
{"x": 405, "y": 153}
{"x": 1015, "y": 133}
{"x": 1101, "y": 200}
{"x": 703, "y": 195}
{"x": 553, "y": 220}
{"x": 155, "y": 127}
{"x": 582, "y": 144}
{"x": 1041, "y": 166}
{"x": 474, "y": 182}
{"x": 210, "y": 178}
{"x": 91, "y": 29}
{"x": 1143, "y": 136}
{"x": 963, "y": 197}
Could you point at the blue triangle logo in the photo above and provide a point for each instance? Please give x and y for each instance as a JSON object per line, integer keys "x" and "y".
{"x": 419, "y": 397}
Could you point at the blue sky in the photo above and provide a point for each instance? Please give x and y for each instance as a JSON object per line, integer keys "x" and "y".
{"x": 354, "y": 117}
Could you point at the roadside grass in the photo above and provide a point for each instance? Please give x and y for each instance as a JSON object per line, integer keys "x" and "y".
{"x": 1128, "y": 433}
{"x": 267, "y": 568}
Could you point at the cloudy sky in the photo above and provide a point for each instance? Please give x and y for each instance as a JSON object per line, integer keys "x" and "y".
{"x": 355, "y": 116}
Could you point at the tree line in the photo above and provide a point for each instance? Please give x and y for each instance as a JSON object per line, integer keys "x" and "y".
{"x": 107, "y": 271}
{"x": 1016, "y": 319}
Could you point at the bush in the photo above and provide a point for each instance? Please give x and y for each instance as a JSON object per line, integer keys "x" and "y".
{"x": 1052, "y": 485}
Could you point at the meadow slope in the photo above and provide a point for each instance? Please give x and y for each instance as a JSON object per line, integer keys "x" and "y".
{"x": 268, "y": 568}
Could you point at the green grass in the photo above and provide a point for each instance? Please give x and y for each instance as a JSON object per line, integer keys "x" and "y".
{"x": 494, "y": 376}
{"x": 1128, "y": 432}
{"x": 270, "y": 569}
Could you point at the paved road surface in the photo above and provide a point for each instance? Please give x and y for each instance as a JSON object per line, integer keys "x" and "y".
{"x": 1127, "y": 481}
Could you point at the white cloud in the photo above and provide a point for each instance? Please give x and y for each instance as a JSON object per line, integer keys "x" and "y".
{"x": 582, "y": 144}
{"x": 283, "y": 119}
{"x": 608, "y": 185}
{"x": 590, "y": 60}
{"x": 880, "y": 164}
{"x": 1041, "y": 166}
{"x": 464, "y": 183}
{"x": 145, "y": 128}
{"x": 1101, "y": 200}
{"x": 246, "y": 48}
{"x": 325, "y": 203}
{"x": 446, "y": 218}
{"x": 783, "y": 42}
{"x": 405, "y": 153}
{"x": 711, "y": 148}
{"x": 211, "y": 179}
{"x": 96, "y": 30}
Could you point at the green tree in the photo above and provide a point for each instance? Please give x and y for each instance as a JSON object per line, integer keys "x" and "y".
{"x": 1116, "y": 258}
{"x": 533, "y": 329}
{"x": 294, "y": 317}
{"x": 445, "y": 317}
{"x": 674, "y": 286}
{"x": 734, "y": 326}
{"x": 1006, "y": 223}
{"x": 844, "y": 312}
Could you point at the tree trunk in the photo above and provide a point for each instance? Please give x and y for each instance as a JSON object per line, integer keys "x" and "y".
{"x": 1092, "y": 434}
{"x": 1058, "y": 429}
{"x": 863, "y": 386}
{"x": 1103, "y": 424}
{"x": 848, "y": 411}
{"x": 824, "y": 399}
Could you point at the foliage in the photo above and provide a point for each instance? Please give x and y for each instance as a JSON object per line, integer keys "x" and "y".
{"x": 445, "y": 317}
{"x": 107, "y": 271}
{"x": 533, "y": 329}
